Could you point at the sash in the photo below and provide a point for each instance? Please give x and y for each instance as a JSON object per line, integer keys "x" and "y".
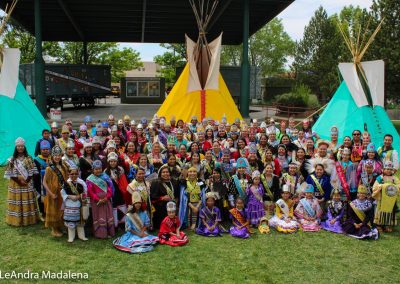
{"x": 284, "y": 207}
{"x": 169, "y": 190}
{"x": 102, "y": 184}
{"x": 210, "y": 215}
{"x": 310, "y": 211}
{"x": 73, "y": 188}
{"x": 256, "y": 193}
{"x": 41, "y": 161}
{"x": 360, "y": 214}
{"x": 58, "y": 173}
{"x": 266, "y": 187}
{"x": 239, "y": 188}
{"x": 135, "y": 219}
{"x": 208, "y": 167}
{"x": 19, "y": 165}
{"x": 193, "y": 191}
{"x": 342, "y": 178}
{"x": 238, "y": 216}
{"x": 389, "y": 197}
{"x": 317, "y": 184}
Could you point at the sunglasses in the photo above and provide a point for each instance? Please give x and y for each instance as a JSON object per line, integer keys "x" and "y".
{"x": 356, "y": 134}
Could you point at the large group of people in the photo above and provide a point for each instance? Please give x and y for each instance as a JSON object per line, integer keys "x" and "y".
{"x": 153, "y": 179}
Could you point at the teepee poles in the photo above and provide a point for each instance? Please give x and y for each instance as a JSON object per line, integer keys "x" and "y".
{"x": 358, "y": 49}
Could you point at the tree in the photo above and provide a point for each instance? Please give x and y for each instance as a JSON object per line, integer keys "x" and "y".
{"x": 386, "y": 45}
{"x": 269, "y": 49}
{"x": 231, "y": 55}
{"x": 16, "y": 37}
{"x": 317, "y": 55}
{"x": 107, "y": 53}
{"x": 175, "y": 56}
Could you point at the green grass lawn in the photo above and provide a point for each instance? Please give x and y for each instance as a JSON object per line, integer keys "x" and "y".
{"x": 302, "y": 257}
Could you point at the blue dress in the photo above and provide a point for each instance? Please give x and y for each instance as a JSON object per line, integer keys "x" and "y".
{"x": 132, "y": 243}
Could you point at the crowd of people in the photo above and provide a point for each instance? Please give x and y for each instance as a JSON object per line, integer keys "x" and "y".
{"x": 154, "y": 179}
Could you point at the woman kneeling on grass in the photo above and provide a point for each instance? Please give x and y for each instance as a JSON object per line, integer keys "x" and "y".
{"x": 136, "y": 239}
{"x": 169, "y": 230}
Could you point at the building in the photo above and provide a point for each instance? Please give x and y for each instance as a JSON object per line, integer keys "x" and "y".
{"x": 148, "y": 70}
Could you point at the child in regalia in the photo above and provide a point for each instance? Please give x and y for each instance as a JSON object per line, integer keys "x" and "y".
{"x": 335, "y": 211}
{"x": 284, "y": 220}
{"x": 169, "y": 233}
{"x": 240, "y": 228}
{"x": 263, "y": 227}
{"x": 385, "y": 192}
{"x": 255, "y": 206}
{"x": 210, "y": 218}
{"x": 308, "y": 211}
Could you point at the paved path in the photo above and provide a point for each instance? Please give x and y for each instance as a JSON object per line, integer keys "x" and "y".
{"x": 135, "y": 111}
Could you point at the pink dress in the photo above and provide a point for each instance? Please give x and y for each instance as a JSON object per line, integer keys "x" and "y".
{"x": 103, "y": 221}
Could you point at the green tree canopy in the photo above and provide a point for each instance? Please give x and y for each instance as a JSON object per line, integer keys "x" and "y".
{"x": 108, "y": 53}
{"x": 269, "y": 49}
{"x": 175, "y": 56}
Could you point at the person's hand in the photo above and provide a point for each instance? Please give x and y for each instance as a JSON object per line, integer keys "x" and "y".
{"x": 54, "y": 196}
{"x": 333, "y": 221}
{"x": 166, "y": 198}
{"x": 195, "y": 210}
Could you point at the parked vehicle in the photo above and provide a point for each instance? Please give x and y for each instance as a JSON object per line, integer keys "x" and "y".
{"x": 77, "y": 84}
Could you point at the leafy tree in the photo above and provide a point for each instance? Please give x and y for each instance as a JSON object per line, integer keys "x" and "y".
{"x": 317, "y": 55}
{"x": 107, "y": 53}
{"x": 231, "y": 55}
{"x": 386, "y": 44}
{"x": 16, "y": 37}
{"x": 175, "y": 56}
{"x": 269, "y": 49}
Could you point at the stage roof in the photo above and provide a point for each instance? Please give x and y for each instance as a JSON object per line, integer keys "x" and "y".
{"x": 153, "y": 21}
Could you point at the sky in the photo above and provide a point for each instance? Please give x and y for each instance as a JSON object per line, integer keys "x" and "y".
{"x": 294, "y": 19}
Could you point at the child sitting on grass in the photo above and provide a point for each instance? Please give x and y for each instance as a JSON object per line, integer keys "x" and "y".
{"x": 240, "y": 228}
{"x": 210, "y": 218}
{"x": 169, "y": 233}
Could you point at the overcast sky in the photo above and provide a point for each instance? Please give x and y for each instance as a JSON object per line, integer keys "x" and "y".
{"x": 294, "y": 18}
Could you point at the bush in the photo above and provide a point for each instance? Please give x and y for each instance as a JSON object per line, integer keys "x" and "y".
{"x": 300, "y": 96}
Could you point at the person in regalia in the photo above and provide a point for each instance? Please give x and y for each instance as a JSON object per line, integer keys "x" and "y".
{"x": 169, "y": 233}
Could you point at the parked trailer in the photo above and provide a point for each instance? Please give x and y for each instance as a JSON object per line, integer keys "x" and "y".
{"x": 77, "y": 84}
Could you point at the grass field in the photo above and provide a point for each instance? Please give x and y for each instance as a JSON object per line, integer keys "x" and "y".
{"x": 301, "y": 258}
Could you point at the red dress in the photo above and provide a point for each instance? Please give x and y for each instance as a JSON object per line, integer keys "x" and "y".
{"x": 168, "y": 226}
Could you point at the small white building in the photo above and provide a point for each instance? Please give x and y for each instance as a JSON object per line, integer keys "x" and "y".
{"x": 149, "y": 69}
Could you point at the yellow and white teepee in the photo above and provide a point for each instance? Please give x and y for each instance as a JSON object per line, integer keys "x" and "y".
{"x": 200, "y": 90}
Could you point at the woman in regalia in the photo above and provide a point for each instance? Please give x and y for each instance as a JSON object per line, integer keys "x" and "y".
{"x": 54, "y": 178}
{"x": 136, "y": 238}
{"x": 162, "y": 191}
{"x": 86, "y": 160}
{"x": 22, "y": 208}
{"x": 121, "y": 197}
{"x": 216, "y": 185}
{"x": 192, "y": 192}
{"x": 359, "y": 217}
{"x": 100, "y": 190}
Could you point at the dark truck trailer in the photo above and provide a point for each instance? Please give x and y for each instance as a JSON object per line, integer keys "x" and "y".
{"x": 77, "y": 84}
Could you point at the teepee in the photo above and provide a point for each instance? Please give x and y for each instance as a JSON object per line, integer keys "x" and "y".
{"x": 19, "y": 116}
{"x": 358, "y": 103}
{"x": 200, "y": 90}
